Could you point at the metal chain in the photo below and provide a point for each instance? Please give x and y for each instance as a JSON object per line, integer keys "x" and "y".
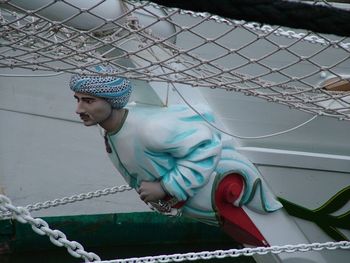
{"x": 41, "y": 227}
{"x": 58, "y": 238}
{"x": 219, "y": 254}
{"x": 72, "y": 199}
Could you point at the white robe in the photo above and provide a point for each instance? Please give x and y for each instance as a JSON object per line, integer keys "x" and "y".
{"x": 175, "y": 146}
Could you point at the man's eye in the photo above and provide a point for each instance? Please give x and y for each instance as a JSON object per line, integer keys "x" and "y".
{"x": 88, "y": 101}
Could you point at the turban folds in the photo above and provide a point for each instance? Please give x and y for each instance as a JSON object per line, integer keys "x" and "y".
{"x": 115, "y": 90}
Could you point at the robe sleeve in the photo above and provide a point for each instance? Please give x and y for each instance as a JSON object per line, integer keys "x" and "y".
{"x": 191, "y": 150}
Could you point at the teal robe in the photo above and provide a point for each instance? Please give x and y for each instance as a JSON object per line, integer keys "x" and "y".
{"x": 177, "y": 147}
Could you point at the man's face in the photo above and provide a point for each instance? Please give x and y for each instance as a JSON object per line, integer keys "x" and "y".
{"x": 92, "y": 110}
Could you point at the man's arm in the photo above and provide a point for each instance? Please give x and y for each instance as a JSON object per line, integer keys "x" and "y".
{"x": 193, "y": 150}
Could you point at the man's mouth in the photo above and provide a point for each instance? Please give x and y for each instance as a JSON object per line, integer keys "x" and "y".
{"x": 84, "y": 117}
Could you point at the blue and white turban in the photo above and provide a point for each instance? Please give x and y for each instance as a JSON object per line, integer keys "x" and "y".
{"x": 115, "y": 90}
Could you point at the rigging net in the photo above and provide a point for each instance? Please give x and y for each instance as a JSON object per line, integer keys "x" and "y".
{"x": 305, "y": 70}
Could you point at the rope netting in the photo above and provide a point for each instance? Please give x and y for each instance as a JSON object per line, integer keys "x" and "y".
{"x": 299, "y": 68}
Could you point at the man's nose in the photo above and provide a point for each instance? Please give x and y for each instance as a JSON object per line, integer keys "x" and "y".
{"x": 79, "y": 109}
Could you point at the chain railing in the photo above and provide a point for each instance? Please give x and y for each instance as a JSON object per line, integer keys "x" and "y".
{"x": 71, "y": 199}
{"x": 41, "y": 227}
{"x": 74, "y": 248}
{"x": 220, "y": 254}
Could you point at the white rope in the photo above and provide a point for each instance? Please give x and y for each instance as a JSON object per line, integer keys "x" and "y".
{"x": 71, "y": 199}
{"x": 239, "y": 136}
{"x": 220, "y": 254}
{"x": 31, "y": 75}
{"x": 41, "y": 227}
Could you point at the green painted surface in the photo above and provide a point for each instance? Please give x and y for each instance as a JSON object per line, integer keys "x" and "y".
{"x": 113, "y": 236}
{"x": 324, "y": 215}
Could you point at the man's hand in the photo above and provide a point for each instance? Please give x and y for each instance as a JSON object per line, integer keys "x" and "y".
{"x": 151, "y": 191}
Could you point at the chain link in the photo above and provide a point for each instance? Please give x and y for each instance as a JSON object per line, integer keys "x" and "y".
{"x": 41, "y": 227}
{"x": 219, "y": 254}
{"x": 58, "y": 238}
{"x": 71, "y": 199}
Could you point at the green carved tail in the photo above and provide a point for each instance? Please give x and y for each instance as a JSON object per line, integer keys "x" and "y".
{"x": 322, "y": 216}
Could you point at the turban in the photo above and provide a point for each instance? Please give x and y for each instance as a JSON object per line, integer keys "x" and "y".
{"x": 115, "y": 90}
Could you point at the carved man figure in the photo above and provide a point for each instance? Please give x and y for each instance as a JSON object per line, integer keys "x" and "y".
{"x": 173, "y": 158}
